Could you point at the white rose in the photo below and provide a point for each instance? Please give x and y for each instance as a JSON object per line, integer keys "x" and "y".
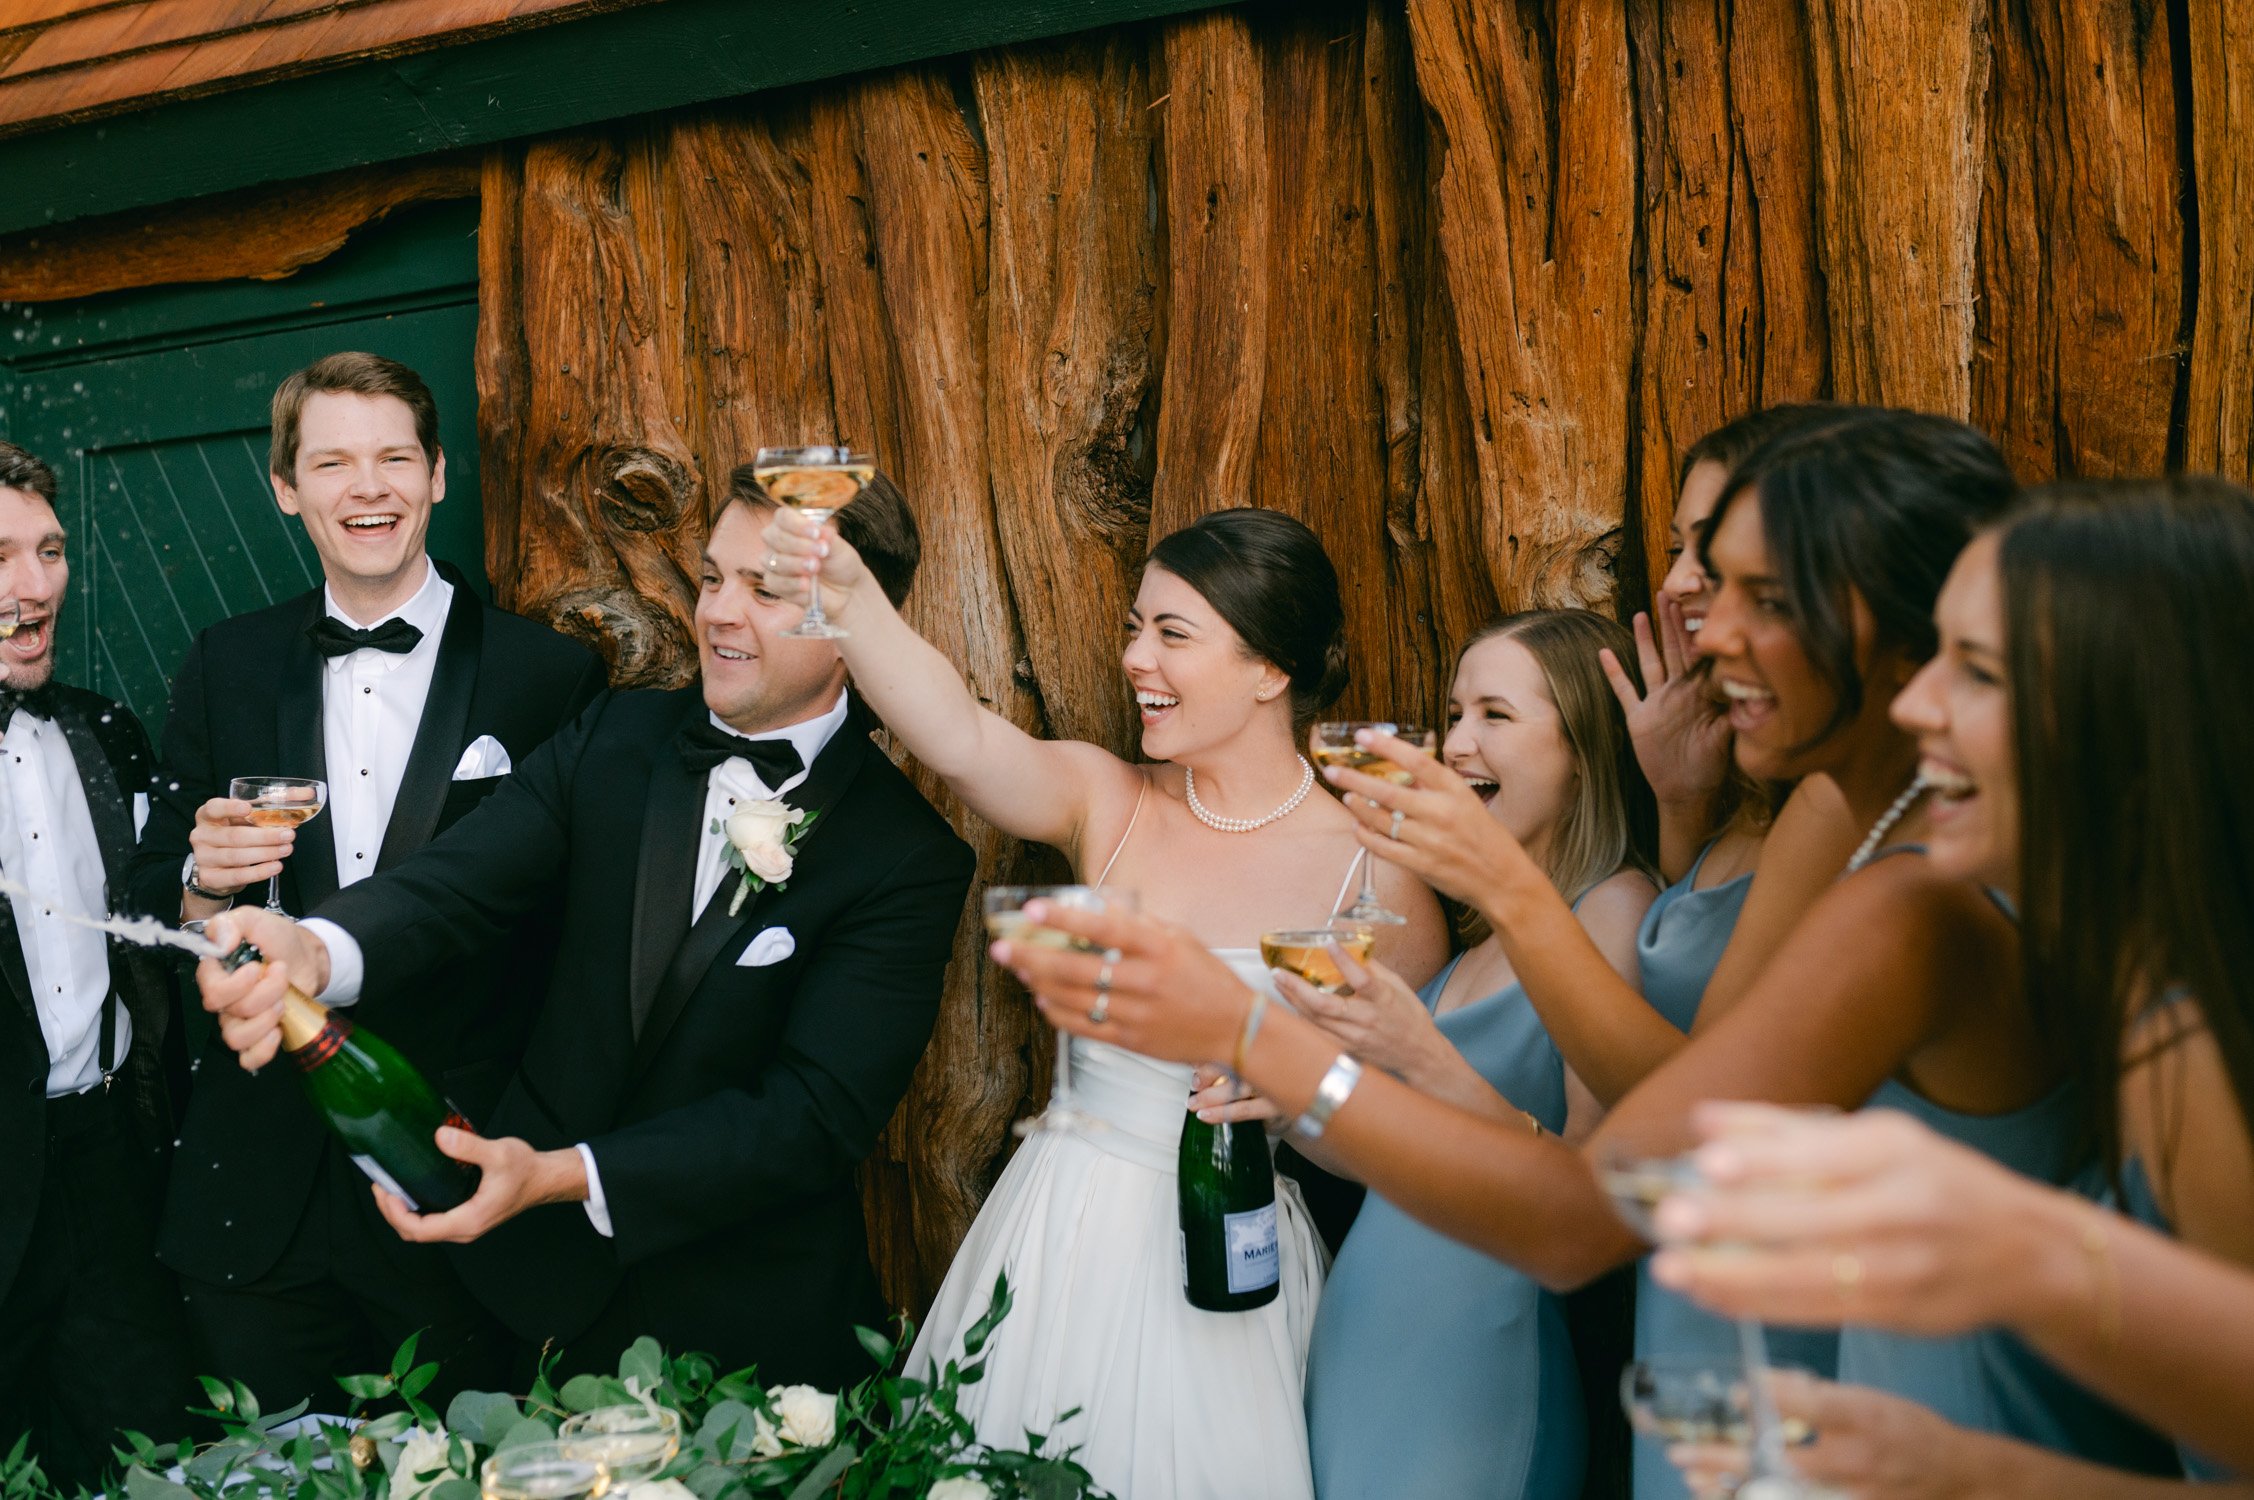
{"x": 760, "y": 832}
{"x": 764, "y": 1441}
{"x": 809, "y": 1417}
{"x": 424, "y": 1463}
{"x": 960, "y": 1487}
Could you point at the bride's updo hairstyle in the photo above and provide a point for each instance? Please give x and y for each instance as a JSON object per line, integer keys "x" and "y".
{"x": 1873, "y": 502}
{"x": 1268, "y": 576}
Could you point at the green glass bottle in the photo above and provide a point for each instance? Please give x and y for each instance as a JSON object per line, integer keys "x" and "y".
{"x": 383, "y": 1110}
{"x": 1226, "y": 1181}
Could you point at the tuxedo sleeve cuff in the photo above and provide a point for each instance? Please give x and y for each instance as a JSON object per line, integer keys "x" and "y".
{"x": 598, "y": 1208}
{"x": 348, "y": 969}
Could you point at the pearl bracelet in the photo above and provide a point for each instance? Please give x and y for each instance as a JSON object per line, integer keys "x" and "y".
{"x": 1335, "y": 1089}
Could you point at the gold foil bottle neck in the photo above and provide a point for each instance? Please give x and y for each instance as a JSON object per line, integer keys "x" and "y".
{"x": 302, "y": 1020}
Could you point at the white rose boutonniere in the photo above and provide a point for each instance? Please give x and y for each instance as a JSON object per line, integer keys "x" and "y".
{"x": 763, "y": 839}
{"x": 808, "y": 1416}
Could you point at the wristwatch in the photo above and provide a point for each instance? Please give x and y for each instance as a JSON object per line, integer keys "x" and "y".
{"x": 188, "y": 881}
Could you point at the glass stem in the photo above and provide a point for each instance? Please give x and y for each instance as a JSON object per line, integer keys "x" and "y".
{"x": 1760, "y": 1401}
{"x": 273, "y": 893}
{"x": 1368, "y": 899}
{"x": 814, "y": 615}
{"x": 1060, "y": 1085}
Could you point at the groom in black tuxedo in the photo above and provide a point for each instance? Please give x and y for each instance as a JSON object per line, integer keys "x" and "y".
{"x": 90, "y": 1331}
{"x": 676, "y": 1155}
{"x": 411, "y": 699}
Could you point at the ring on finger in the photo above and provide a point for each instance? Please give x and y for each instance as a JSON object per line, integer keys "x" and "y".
{"x": 774, "y": 563}
{"x": 1399, "y": 817}
{"x": 1847, "y": 1273}
{"x": 1100, "y": 1012}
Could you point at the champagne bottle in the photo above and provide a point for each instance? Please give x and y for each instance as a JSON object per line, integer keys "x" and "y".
{"x": 383, "y": 1110}
{"x": 1231, "y": 1260}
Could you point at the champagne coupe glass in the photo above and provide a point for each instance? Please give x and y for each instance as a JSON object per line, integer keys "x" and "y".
{"x": 1333, "y": 745}
{"x": 542, "y": 1471}
{"x": 634, "y": 1442}
{"x": 11, "y": 615}
{"x": 817, "y": 483}
{"x": 1707, "y": 1399}
{"x": 1636, "y": 1184}
{"x": 280, "y": 802}
{"x": 1005, "y": 919}
{"x": 1303, "y": 951}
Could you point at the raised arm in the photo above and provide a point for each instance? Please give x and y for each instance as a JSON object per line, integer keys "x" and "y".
{"x": 1815, "y": 1032}
{"x": 1945, "y": 1241}
{"x": 1807, "y": 846}
{"x": 1032, "y": 788}
{"x": 1608, "y": 1035}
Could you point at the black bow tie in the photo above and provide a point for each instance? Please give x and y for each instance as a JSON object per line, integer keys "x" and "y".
{"x": 704, "y": 746}
{"x": 332, "y": 637}
{"x": 38, "y": 701}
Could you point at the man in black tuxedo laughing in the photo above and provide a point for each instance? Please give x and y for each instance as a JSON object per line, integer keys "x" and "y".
{"x": 411, "y": 699}
{"x": 722, "y": 1039}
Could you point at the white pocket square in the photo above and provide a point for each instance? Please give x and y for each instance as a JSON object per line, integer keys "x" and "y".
{"x": 770, "y": 947}
{"x": 140, "y": 813}
{"x": 486, "y": 756}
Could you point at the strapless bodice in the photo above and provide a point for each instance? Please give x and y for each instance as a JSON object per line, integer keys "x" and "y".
{"x": 1141, "y": 1099}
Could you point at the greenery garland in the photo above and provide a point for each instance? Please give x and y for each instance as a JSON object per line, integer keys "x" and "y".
{"x": 888, "y": 1438}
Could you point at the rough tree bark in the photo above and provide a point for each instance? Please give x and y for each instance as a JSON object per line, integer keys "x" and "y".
{"x": 1536, "y": 213}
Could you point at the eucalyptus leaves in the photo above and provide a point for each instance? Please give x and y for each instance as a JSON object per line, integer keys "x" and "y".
{"x": 889, "y": 1438}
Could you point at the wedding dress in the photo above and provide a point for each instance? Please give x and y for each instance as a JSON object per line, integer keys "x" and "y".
{"x": 1170, "y": 1402}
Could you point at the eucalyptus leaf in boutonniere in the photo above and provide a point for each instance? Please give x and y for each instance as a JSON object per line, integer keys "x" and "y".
{"x": 763, "y": 839}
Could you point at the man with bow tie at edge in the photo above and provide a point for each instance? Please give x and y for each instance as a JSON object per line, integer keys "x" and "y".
{"x": 90, "y": 1332}
{"x": 722, "y": 1038}
{"x": 394, "y": 684}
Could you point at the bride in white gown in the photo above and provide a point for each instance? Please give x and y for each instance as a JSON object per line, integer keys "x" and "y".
{"x": 1235, "y": 641}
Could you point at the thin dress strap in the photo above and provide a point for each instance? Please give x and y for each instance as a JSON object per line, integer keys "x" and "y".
{"x": 1338, "y": 902}
{"x": 1130, "y": 828}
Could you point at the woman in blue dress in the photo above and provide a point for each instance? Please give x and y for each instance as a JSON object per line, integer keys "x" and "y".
{"x": 2120, "y": 608}
{"x": 1435, "y": 1370}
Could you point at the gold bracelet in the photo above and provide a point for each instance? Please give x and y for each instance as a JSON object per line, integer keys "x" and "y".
{"x": 2105, "y": 1285}
{"x": 1253, "y": 1015}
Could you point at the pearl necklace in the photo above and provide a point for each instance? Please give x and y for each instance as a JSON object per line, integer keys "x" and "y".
{"x": 1215, "y": 821}
{"x": 1886, "y": 821}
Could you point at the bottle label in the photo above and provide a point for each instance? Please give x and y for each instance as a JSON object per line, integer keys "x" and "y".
{"x": 384, "y": 1180}
{"x": 1255, "y": 1260}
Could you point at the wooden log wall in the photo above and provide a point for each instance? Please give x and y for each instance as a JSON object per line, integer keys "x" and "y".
{"x": 1455, "y": 282}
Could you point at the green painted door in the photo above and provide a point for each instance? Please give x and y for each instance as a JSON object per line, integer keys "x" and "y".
{"x": 152, "y": 407}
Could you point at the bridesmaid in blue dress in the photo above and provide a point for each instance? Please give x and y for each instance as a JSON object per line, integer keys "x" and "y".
{"x": 1435, "y": 1370}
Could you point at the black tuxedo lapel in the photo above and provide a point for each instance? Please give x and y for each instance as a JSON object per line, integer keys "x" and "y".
{"x": 665, "y": 878}
{"x": 438, "y": 737}
{"x": 832, "y": 772}
{"x": 303, "y": 751}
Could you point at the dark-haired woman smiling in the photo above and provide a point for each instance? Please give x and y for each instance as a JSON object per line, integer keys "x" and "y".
{"x": 2119, "y": 812}
{"x": 1235, "y": 641}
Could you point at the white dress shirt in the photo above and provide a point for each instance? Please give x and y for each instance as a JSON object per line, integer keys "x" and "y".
{"x": 730, "y": 782}
{"x": 371, "y": 705}
{"x": 47, "y": 843}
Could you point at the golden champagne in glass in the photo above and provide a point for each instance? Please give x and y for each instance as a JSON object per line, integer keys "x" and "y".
{"x": 817, "y": 483}
{"x": 1306, "y": 952}
{"x": 1332, "y": 744}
